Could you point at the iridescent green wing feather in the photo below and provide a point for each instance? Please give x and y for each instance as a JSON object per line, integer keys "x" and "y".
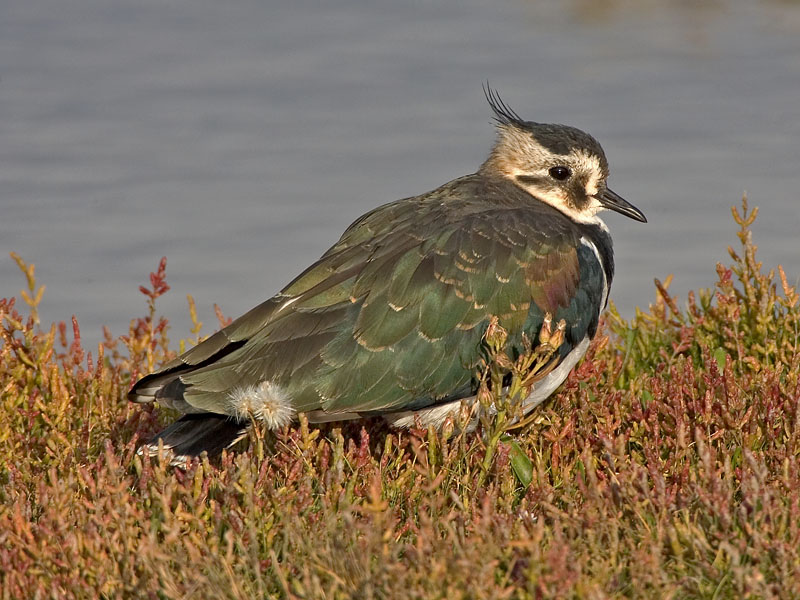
{"x": 417, "y": 341}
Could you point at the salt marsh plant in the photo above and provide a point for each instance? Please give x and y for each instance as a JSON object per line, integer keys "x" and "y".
{"x": 666, "y": 466}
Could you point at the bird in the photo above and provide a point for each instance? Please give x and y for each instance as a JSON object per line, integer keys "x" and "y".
{"x": 391, "y": 320}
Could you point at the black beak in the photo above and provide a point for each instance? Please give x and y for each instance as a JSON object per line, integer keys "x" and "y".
{"x": 612, "y": 201}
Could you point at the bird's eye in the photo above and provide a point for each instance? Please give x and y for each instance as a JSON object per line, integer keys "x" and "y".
{"x": 560, "y": 173}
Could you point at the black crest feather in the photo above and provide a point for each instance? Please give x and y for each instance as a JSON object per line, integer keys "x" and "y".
{"x": 503, "y": 114}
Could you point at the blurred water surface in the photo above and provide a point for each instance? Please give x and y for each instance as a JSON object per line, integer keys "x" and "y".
{"x": 240, "y": 138}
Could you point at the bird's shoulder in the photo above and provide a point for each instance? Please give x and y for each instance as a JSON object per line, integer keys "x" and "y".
{"x": 454, "y": 204}
{"x": 478, "y": 206}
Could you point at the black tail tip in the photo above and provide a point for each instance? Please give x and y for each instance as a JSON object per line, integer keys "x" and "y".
{"x": 192, "y": 435}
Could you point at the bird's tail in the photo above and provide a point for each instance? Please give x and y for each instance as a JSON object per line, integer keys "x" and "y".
{"x": 193, "y": 434}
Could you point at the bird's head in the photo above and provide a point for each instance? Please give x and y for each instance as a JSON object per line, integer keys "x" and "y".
{"x": 560, "y": 165}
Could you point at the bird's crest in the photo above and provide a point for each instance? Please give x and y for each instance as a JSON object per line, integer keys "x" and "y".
{"x": 503, "y": 114}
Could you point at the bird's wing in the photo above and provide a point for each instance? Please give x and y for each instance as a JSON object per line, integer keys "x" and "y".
{"x": 392, "y": 317}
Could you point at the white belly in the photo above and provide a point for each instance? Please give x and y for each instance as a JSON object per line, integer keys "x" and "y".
{"x": 436, "y": 415}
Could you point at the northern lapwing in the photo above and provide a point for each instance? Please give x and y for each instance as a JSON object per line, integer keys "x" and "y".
{"x": 390, "y": 321}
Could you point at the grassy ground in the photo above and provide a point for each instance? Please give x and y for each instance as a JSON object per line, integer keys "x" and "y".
{"x": 665, "y": 467}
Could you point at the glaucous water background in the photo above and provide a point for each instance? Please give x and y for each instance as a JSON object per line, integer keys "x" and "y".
{"x": 240, "y": 138}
